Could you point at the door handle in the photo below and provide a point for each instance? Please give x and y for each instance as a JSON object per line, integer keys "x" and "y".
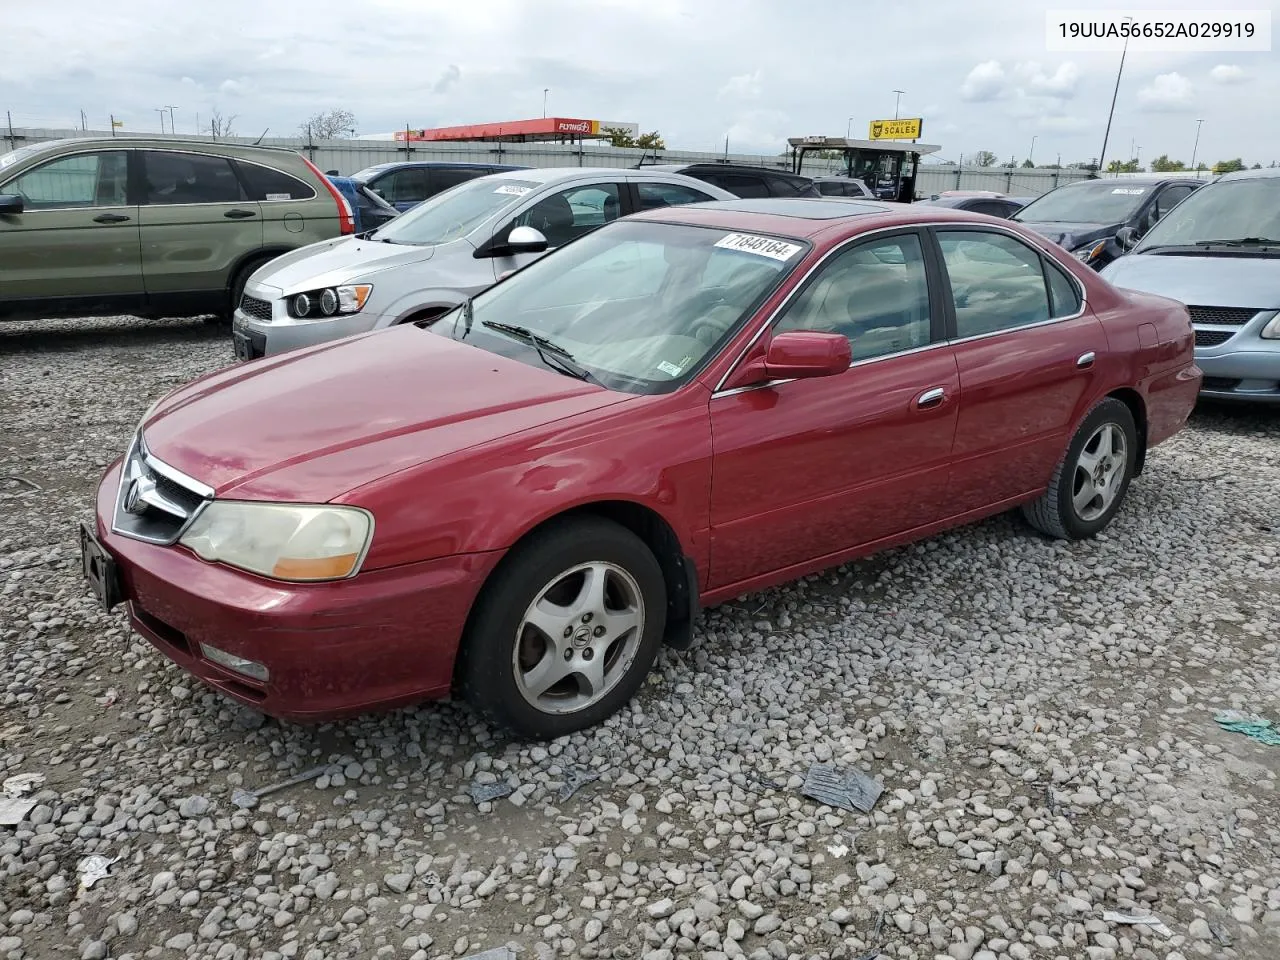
{"x": 931, "y": 398}
{"x": 110, "y": 218}
{"x": 1085, "y": 360}
{"x": 239, "y": 214}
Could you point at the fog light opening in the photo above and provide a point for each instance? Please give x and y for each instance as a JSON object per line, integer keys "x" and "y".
{"x": 241, "y": 665}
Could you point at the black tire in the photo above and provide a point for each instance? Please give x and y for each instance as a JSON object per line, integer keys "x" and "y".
{"x": 236, "y": 290}
{"x": 487, "y": 670}
{"x": 1055, "y": 513}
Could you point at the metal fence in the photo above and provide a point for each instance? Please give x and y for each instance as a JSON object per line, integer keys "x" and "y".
{"x": 348, "y": 156}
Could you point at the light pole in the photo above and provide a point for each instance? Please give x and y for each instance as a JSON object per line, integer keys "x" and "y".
{"x": 545, "y": 91}
{"x": 160, "y": 110}
{"x": 1032, "y": 154}
{"x": 1102, "y": 157}
{"x": 1195, "y": 149}
{"x": 896, "y": 100}
{"x": 172, "y": 128}
{"x": 848, "y": 130}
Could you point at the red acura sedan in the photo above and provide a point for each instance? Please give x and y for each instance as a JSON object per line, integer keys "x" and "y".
{"x": 522, "y": 501}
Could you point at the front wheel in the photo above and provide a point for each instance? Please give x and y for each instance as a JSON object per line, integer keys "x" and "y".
{"x": 1091, "y": 481}
{"x": 566, "y": 630}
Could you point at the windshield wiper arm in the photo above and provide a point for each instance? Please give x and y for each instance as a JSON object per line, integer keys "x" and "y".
{"x": 549, "y": 352}
{"x": 1239, "y": 242}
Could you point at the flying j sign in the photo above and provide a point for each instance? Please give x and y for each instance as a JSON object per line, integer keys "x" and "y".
{"x": 906, "y": 129}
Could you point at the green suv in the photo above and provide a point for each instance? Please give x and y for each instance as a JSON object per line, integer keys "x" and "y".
{"x": 154, "y": 228}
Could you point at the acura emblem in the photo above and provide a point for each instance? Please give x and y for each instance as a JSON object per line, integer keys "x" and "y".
{"x": 136, "y": 493}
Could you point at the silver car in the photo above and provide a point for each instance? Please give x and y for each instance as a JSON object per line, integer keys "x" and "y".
{"x": 1218, "y": 251}
{"x": 436, "y": 255}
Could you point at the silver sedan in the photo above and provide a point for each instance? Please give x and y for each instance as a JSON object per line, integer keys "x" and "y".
{"x": 446, "y": 249}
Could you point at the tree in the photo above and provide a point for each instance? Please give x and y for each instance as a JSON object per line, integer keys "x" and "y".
{"x": 1027, "y": 164}
{"x": 985, "y": 158}
{"x": 1162, "y": 164}
{"x": 1256, "y": 166}
{"x": 332, "y": 124}
{"x": 618, "y": 137}
{"x": 1228, "y": 166}
{"x": 1124, "y": 166}
{"x": 651, "y": 141}
{"x": 220, "y": 126}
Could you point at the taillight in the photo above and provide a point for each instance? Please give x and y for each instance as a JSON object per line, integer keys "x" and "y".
{"x": 346, "y": 222}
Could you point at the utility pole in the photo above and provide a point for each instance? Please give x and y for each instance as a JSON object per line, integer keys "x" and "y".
{"x": 113, "y": 124}
{"x": 1107, "y": 136}
{"x": 896, "y": 101}
{"x": 172, "y": 128}
{"x": 9, "y": 119}
{"x": 160, "y": 110}
{"x": 84, "y": 123}
{"x": 1031, "y": 156}
{"x": 545, "y": 91}
{"x": 1195, "y": 149}
{"x": 848, "y": 130}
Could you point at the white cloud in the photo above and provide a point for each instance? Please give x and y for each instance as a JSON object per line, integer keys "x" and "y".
{"x": 231, "y": 88}
{"x": 1167, "y": 92}
{"x": 745, "y": 86}
{"x": 1227, "y": 73}
{"x": 986, "y": 81}
{"x": 1061, "y": 84}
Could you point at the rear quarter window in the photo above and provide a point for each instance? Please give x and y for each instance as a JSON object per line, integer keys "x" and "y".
{"x": 267, "y": 183}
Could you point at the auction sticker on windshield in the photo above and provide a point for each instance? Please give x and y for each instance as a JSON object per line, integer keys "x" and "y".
{"x": 513, "y": 190}
{"x": 1130, "y": 191}
{"x": 761, "y": 246}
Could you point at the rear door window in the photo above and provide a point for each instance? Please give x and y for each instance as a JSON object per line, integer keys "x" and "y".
{"x": 748, "y": 188}
{"x": 265, "y": 183}
{"x": 180, "y": 178}
{"x": 655, "y": 195}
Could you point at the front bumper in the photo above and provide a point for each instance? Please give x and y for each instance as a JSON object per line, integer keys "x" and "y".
{"x": 382, "y": 639}
{"x": 1249, "y": 372}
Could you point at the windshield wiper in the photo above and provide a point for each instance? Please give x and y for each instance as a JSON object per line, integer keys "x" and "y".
{"x": 549, "y": 352}
{"x": 1239, "y": 242}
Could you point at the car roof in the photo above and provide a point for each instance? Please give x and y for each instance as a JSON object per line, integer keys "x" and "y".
{"x": 447, "y": 164}
{"x": 190, "y": 143}
{"x": 805, "y": 218}
{"x": 1251, "y": 174}
{"x": 1132, "y": 181}
{"x": 708, "y": 165}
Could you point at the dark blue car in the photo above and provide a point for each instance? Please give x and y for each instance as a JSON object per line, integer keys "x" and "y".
{"x": 409, "y": 182}
{"x": 368, "y": 209}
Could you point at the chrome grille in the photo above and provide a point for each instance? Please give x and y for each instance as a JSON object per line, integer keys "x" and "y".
{"x": 1222, "y": 316}
{"x": 1211, "y": 338}
{"x": 155, "y": 502}
{"x": 258, "y": 309}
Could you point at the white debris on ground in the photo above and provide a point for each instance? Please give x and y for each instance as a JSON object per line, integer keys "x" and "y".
{"x": 1041, "y": 717}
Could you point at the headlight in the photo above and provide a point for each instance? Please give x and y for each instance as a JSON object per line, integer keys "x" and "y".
{"x": 325, "y": 303}
{"x": 282, "y": 541}
{"x": 1272, "y": 330}
{"x": 1089, "y": 250}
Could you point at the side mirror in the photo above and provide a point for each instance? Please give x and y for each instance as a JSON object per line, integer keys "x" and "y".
{"x": 1127, "y": 238}
{"x": 10, "y": 203}
{"x": 525, "y": 240}
{"x": 794, "y": 355}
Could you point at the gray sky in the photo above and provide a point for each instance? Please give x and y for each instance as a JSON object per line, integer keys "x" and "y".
{"x": 696, "y": 70}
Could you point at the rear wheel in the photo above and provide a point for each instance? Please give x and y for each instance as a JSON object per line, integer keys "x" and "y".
{"x": 1091, "y": 481}
{"x": 566, "y": 630}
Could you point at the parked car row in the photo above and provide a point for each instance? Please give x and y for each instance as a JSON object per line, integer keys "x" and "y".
{"x": 522, "y": 500}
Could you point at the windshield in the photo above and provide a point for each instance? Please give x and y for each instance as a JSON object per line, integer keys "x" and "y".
{"x": 455, "y": 212}
{"x": 638, "y": 305}
{"x": 368, "y": 172}
{"x": 1226, "y": 210}
{"x": 1103, "y": 201}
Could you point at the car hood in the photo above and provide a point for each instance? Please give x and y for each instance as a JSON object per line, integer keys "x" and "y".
{"x": 332, "y": 262}
{"x": 1070, "y": 235}
{"x": 1208, "y": 281}
{"x": 312, "y": 424}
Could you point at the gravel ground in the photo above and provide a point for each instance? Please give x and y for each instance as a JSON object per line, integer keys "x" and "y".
{"x": 1041, "y": 716}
